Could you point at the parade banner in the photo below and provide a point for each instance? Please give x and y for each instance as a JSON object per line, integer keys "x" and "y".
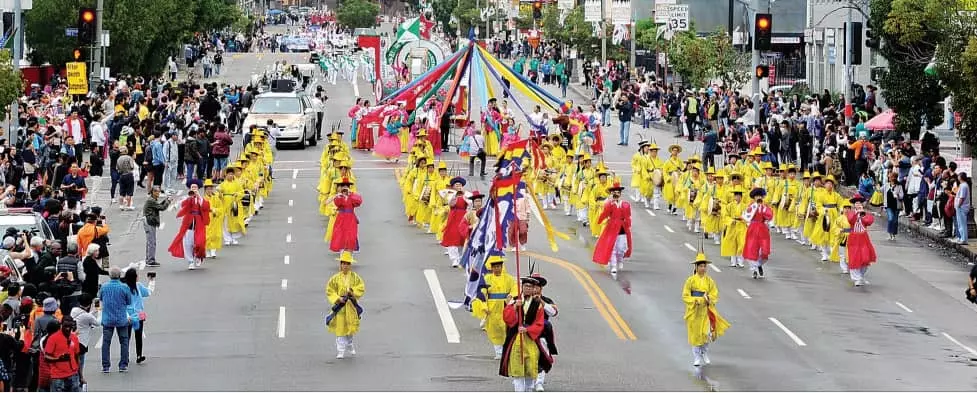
{"x": 372, "y": 42}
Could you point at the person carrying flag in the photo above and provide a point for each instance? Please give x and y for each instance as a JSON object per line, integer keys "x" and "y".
{"x": 525, "y": 320}
{"x": 343, "y": 291}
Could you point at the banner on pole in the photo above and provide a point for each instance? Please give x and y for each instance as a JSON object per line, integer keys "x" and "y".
{"x": 591, "y": 11}
{"x": 661, "y": 10}
{"x": 621, "y": 12}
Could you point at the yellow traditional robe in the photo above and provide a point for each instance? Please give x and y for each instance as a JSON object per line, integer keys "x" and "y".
{"x": 231, "y": 192}
{"x": 700, "y": 330}
{"x": 674, "y": 164}
{"x": 215, "y": 229}
{"x": 734, "y": 237}
{"x": 500, "y": 287}
{"x": 840, "y": 228}
{"x": 347, "y": 321}
{"x": 828, "y": 205}
{"x": 786, "y": 217}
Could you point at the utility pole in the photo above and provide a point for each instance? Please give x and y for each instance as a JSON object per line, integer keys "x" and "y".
{"x": 18, "y": 49}
{"x": 634, "y": 38}
{"x": 603, "y": 33}
{"x": 846, "y": 80}
{"x": 729, "y": 20}
{"x": 755, "y": 5}
{"x": 96, "y": 72}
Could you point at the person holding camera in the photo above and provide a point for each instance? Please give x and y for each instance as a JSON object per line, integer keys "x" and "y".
{"x": 154, "y": 205}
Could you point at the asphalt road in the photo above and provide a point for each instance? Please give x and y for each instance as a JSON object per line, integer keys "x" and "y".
{"x": 252, "y": 319}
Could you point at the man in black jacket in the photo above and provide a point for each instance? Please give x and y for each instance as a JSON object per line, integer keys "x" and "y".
{"x": 210, "y": 107}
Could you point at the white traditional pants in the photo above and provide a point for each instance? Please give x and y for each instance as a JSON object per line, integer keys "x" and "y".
{"x": 843, "y": 258}
{"x": 454, "y": 255}
{"x": 582, "y": 215}
{"x": 344, "y": 342}
{"x": 522, "y": 384}
{"x": 858, "y": 274}
{"x": 229, "y": 236}
{"x": 620, "y": 248}
{"x": 188, "y": 246}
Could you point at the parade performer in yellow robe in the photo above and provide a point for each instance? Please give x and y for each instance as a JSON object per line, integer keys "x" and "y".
{"x": 502, "y": 288}
{"x": 703, "y": 322}
{"x": 598, "y": 195}
{"x": 215, "y": 229}
{"x": 840, "y": 229}
{"x": 786, "y": 218}
{"x": 829, "y": 207}
{"x": 547, "y": 176}
{"x": 423, "y": 190}
{"x": 673, "y": 168}
{"x": 567, "y": 175}
{"x": 653, "y": 170}
{"x": 231, "y": 191}
{"x": 638, "y": 170}
{"x": 584, "y": 177}
{"x": 734, "y": 234}
{"x": 691, "y": 195}
{"x": 423, "y": 146}
{"x": 810, "y": 208}
{"x": 410, "y": 180}
{"x": 438, "y": 204}
{"x": 712, "y": 193}
{"x": 343, "y": 292}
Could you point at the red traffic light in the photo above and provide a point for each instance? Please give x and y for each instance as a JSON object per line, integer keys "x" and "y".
{"x": 76, "y": 54}
{"x": 763, "y": 23}
{"x": 537, "y": 5}
{"x": 88, "y": 16}
{"x": 762, "y": 71}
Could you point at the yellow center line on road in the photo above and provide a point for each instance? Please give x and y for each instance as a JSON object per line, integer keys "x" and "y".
{"x": 603, "y": 304}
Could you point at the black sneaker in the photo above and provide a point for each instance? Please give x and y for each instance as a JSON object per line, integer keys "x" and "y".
{"x": 140, "y": 360}
{"x": 760, "y": 268}
{"x": 153, "y": 264}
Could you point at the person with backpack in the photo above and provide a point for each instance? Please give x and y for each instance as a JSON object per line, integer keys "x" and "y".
{"x": 691, "y": 114}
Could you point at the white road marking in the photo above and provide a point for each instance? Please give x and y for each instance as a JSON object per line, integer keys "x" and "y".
{"x": 287, "y": 259}
{"x": 288, "y": 238}
{"x": 290, "y": 219}
{"x": 903, "y": 306}
{"x": 293, "y": 186}
{"x": 689, "y": 246}
{"x": 284, "y": 284}
{"x": 98, "y": 344}
{"x": 291, "y": 203}
{"x": 959, "y": 344}
{"x": 797, "y": 340}
{"x": 714, "y": 268}
{"x": 295, "y": 173}
{"x": 281, "y": 322}
{"x": 669, "y": 229}
{"x": 162, "y": 225}
{"x": 650, "y": 212}
{"x": 441, "y": 304}
{"x": 743, "y": 294}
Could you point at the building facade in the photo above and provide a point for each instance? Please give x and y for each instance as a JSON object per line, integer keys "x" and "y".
{"x": 825, "y": 44}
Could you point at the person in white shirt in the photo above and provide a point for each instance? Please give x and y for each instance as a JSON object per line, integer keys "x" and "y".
{"x": 99, "y": 137}
{"x": 172, "y": 156}
{"x": 86, "y": 321}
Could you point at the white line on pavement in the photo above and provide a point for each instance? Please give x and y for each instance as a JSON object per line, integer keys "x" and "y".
{"x": 288, "y": 259}
{"x": 650, "y": 212}
{"x": 288, "y": 238}
{"x": 903, "y": 306}
{"x": 284, "y": 284}
{"x": 689, "y": 246}
{"x": 714, "y": 268}
{"x": 293, "y": 186}
{"x": 295, "y": 173}
{"x": 743, "y": 294}
{"x": 669, "y": 229}
{"x": 959, "y": 344}
{"x": 289, "y": 219}
{"x": 291, "y": 203}
{"x": 797, "y": 340}
{"x": 441, "y": 304}
{"x": 281, "y": 322}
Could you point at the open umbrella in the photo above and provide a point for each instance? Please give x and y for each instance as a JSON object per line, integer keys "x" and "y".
{"x": 275, "y": 12}
{"x": 882, "y": 122}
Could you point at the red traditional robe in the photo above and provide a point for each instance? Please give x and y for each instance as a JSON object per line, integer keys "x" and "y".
{"x": 455, "y": 228}
{"x": 194, "y": 210}
{"x": 861, "y": 252}
{"x": 618, "y": 219}
{"x": 757, "y": 245}
{"x": 534, "y": 322}
{"x": 346, "y": 228}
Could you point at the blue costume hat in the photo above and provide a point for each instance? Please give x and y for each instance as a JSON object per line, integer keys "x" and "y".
{"x": 458, "y": 179}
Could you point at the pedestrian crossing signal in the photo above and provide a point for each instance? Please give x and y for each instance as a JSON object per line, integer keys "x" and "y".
{"x": 762, "y": 72}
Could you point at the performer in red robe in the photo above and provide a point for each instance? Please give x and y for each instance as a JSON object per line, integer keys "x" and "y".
{"x": 861, "y": 252}
{"x": 756, "y": 249}
{"x": 523, "y": 352}
{"x": 614, "y": 243}
{"x": 453, "y": 235}
{"x": 190, "y": 242}
{"x": 345, "y": 230}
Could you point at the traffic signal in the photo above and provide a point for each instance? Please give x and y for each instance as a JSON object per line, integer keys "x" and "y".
{"x": 76, "y": 54}
{"x": 537, "y": 10}
{"x": 762, "y": 71}
{"x": 763, "y": 33}
{"x": 855, "y": 29}
{"x": 872, "y": 39}
{"x": 86, "y": 26}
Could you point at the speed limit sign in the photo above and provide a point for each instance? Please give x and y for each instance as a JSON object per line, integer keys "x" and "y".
{"x": 678, "y": 17}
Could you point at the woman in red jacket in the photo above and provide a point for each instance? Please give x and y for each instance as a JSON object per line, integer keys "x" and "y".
{"x": 861, "y": 252}
{"x": 346, "y": 228}
{"x": 454, "y": 234}
{"x": 756, "y": 249}
{"x": 614, "y": 243}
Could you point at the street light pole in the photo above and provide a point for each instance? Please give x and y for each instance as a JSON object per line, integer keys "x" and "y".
{"x": 603, "y": 33}
{"x": 755, "y": 5}
{"x": 846, "y": 79}
{"x": 18, "y": 48}
{"x": 97, "y": 63}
